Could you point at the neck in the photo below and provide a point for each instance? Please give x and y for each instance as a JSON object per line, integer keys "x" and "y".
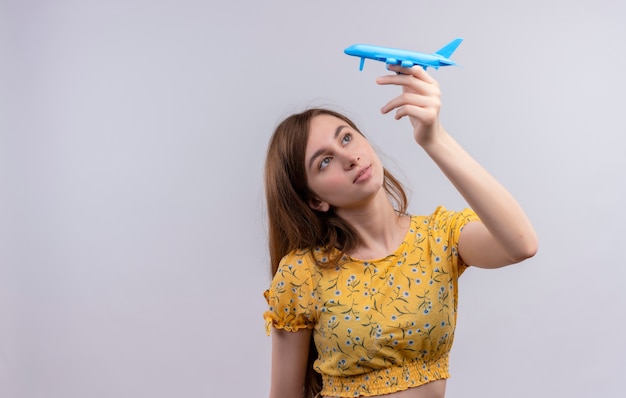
{"x": 381, "y": 229}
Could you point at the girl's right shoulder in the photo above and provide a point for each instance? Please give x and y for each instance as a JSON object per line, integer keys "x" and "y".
{"x": 314, "y": 259}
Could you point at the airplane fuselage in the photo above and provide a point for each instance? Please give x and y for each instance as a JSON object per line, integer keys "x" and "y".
{"x": 395, "y": 56}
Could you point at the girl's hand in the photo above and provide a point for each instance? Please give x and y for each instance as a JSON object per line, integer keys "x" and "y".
{"x": 420, "y": 100}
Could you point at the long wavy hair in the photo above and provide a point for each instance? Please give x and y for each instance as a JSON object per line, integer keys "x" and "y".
{"x": 293, "y": 224}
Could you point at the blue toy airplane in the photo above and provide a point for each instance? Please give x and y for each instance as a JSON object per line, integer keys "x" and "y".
{"x": 407, "y": 59}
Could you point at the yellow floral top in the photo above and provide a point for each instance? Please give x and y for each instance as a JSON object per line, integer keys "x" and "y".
{"x": 383, "y": 325}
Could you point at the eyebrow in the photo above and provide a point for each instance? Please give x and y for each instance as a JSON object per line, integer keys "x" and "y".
{"x": 321, "y": 151}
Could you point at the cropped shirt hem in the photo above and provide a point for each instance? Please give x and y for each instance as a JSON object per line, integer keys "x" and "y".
{"x": 386, "y": 381}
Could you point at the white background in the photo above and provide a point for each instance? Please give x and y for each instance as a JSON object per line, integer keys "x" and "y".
{"x": 132, "y": 222}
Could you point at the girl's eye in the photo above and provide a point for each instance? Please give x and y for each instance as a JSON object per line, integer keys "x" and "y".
{"x": 346, "y": 138}
{"x": 325, "y": 162}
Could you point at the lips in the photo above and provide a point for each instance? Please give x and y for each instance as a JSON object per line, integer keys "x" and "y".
{"x": 364, "y": 171}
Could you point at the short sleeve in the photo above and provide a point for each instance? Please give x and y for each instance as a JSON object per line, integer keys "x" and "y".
{"x": 449, "y": 225}
{"x": 291, "y": 296}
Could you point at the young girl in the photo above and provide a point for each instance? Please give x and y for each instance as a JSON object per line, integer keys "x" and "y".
{"x": 364, "y": 296}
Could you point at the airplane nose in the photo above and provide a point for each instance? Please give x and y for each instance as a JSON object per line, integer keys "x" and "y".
{"x": 352, "y": 50}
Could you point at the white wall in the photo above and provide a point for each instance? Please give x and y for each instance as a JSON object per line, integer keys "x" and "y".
{"x": 132, "y": 242}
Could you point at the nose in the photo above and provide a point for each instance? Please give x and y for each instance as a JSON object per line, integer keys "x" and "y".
{"x": 352, "y": 161}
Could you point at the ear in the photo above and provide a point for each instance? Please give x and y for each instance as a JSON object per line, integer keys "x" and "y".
{"x": 319, "y": 205}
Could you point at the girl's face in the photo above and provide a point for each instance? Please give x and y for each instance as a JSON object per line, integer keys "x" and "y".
{"x": 343, "y": 170}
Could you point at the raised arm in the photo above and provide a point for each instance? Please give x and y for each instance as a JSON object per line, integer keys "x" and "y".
{"x": 504, "y": 235}
{"x": 290, "y": 352}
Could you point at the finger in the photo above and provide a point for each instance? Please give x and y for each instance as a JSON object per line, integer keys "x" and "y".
{"x": 395, "y": 103}
{"x": 410, "y": 99}
{"x": 423, "y": 115}
{"x": 410, "y": 83}
{"x": 415, "y": 71}
{"x": 394, "y": 79}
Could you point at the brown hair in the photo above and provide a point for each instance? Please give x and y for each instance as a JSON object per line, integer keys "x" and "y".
{"x": 293, "y": 224}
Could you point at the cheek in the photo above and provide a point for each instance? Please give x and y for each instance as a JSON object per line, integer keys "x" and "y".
{"x": 326, "y": 185}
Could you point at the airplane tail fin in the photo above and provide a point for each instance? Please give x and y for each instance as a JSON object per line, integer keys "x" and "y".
{"x": 448, "y": 49}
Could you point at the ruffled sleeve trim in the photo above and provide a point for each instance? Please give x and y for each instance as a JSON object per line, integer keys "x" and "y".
{"x": 291, "y": 297}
